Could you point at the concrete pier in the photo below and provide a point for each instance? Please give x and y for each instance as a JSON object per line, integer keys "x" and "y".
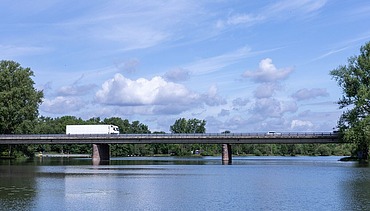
{"x": 226, "y": 154}
{"x": 100, "y": 153}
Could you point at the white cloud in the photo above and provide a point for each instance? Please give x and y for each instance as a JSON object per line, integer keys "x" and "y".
{"x": 306, "y": 94}
{"x": 243, "y": 19}
{"x": 62, "y": 105}
{"x": 301, "y": 125}
{"x": 240, "y": 19}
{"x": 76, "y": 90}
{"x": 240, "y": 102}
{"x": 266, "y": 90}
{"x": 330, "y": 53}
{"x": 303, "y": 7}
{"x": 11, "y": 51}
{"x": 235, "y": 122}
{"x": 134, "y": 37}
{"x": 216, "y": 63}
{"x": 212, "y": 98}
{"x": 135, "y": 25}
{"x": 267, "y": 72}
{"x": 267, "y": 107}
{"x": 289, "y": 106}
{"x": 272, "y": 108}
{"x": 125, "y": 92}
{"x": 281, "y": 9}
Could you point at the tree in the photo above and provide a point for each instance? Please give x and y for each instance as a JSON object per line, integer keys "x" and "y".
{"x": 354, "y": 79}
{"x": 19, "y": 100}
{"x": 188, "y": 126}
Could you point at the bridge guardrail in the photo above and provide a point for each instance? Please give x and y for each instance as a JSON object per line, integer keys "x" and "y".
{"x": 163, "y": 135}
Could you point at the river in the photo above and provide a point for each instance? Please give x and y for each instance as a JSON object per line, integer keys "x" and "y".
{"x": 173, "y": 183}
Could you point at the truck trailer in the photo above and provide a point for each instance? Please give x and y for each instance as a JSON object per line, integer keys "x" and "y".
{"x": 91, "y": 129}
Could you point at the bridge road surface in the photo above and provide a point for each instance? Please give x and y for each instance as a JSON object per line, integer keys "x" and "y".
{"x": 174, "y": 138}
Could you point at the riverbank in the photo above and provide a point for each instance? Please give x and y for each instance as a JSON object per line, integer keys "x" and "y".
{"x": 6, "y": 157}
{"x": 64, "y": 155}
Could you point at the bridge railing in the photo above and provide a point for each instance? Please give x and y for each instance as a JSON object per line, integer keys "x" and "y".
{"x": 232, "y": 134}
{"x": 180, "y": 135}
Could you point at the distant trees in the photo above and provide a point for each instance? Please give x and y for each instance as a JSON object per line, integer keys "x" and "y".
{"x": 292, "y": 149}
{"x": 354, "y": 79}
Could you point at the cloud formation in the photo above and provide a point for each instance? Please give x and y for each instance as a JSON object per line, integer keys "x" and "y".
{"x": 273, "y": 108}
{"x": 279, "y": 10}
{"x": 239, "y": 19}
{"x": 11, "y": 51}
{"x": 240, "y": 102}
{"x": 266, "y": 90}
{"x": 216, "y": 63}
{"x": 267, "y": 72}
{"x": 126, "y": 92}
{"x": 301, "y": 7}
{"x": 76, "y": 90}
{"x": 212, "y": 98}
{"x": 306, "y": 94}
{"x": 301, "y": 125}
{"x": 60, "y": 105}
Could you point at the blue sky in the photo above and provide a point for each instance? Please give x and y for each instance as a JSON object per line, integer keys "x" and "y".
{"x": 244, "y": 66}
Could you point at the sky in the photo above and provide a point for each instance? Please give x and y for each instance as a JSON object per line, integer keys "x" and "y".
{"x": 243, "y": 66}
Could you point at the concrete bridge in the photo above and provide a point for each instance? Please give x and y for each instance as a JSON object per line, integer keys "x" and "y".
{"x": 101, "y": 142}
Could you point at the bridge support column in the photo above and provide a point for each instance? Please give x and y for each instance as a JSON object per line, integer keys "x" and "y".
{"x": 226, "y": 154}
{"x": 100, "y": 152}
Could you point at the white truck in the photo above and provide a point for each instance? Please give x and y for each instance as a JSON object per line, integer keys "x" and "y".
{"x": 91, "y": 129}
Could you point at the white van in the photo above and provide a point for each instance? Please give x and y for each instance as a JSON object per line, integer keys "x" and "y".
{"x": 272, "y": 133}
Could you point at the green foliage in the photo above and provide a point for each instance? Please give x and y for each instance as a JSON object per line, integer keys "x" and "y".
{"x": 292, "y": 149}
{"x": 188, "y": 126}
{"x": 19, "y": 100}
{"x": 354, "y": 79}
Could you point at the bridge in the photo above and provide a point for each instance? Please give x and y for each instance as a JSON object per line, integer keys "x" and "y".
{"x": 101, "y": 142}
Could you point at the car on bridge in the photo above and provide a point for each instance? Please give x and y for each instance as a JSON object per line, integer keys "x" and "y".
{"x": 273, "y": 133}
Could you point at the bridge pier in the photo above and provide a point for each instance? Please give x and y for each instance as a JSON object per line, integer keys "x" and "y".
{"x": 226, "y": 154}
{"x": 100, "y": 152}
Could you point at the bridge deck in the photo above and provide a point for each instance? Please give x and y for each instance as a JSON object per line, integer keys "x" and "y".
{"x": 205, "y": 138}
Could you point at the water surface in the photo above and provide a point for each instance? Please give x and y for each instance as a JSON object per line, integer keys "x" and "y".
{"x": 170, "y": 183}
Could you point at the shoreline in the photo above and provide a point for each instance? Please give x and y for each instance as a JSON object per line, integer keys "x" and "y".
{"x": 63, "y": 155}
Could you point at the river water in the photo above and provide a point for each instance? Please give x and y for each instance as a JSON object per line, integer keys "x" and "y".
{"x": 172, "y": 183}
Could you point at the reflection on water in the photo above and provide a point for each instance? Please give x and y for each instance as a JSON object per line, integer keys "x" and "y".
{"x": 356, "y": 189}
{"x": 173, "y": 183}
{"x": 17, "y": 186}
